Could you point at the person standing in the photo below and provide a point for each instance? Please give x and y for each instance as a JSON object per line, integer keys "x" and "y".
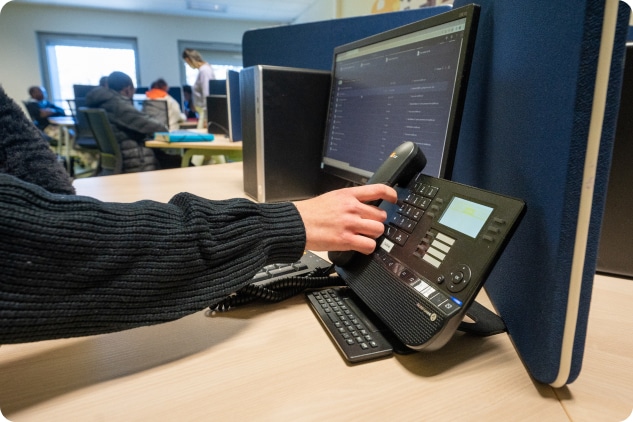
{"x": 205, "y": 73}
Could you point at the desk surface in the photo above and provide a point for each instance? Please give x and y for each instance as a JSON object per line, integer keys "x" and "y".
{"x": 275, "y": 362}
{"x": 62, "y": 120}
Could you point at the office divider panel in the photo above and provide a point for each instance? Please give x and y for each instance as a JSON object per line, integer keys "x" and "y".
{"x": 532, "y": 120}
{"x": 311, "y": 45}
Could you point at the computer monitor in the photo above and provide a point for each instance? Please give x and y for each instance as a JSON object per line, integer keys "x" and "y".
{"x": 233, "y": 105}
{"x": 217, "y": 114}
{"x": 176, "y": 93}
{"x": 405, "y": 84}
{"x": 217, "y": 87}
{"x": 80, "y": 91}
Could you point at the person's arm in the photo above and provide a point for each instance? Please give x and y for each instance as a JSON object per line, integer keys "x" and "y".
{"x": 25, "y": 154}
{"x": 74, "y": 266}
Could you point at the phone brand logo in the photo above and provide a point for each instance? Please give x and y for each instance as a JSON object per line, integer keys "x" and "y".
{"x": 432, "y": 315}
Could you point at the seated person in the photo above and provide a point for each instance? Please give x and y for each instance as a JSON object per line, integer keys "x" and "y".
{"x": 190, "y": 111}
{"x": 159, "y": 92}
{"x": 131, "y": 127}
{"x": 40, "y": 109}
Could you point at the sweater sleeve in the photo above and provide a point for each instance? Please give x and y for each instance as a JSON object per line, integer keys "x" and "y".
{"x": 25, "y": 154}
{"x": 74, "y": 266}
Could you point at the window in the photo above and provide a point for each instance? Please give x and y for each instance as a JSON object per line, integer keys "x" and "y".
{"x": 77, "y": 59}
{"x": 221, "y": 56}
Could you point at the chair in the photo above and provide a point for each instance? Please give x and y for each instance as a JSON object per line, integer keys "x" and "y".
{"x": 156, "y": 109}
{"x": 84, "y": 141}
{"x": 110, "y": 160}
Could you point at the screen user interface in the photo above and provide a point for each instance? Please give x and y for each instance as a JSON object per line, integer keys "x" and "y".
{"x": 465, "y": 216}
{"x": 396, "y": 90}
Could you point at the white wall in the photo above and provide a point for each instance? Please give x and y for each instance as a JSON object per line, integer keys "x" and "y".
{"x": 157, "y": 38}
{"x": 319, "y": 11}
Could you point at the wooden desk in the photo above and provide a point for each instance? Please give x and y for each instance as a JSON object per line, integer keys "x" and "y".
{"x": 219, "y": 146}
{"x": 276, "y": 363}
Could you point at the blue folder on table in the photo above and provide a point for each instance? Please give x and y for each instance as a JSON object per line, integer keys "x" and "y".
{"x": 539, "y": 124}
{"x": 183, "y": 136}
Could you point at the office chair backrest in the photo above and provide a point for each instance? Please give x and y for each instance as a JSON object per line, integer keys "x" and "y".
{"x": 84, "y": 139}
{"x": 111, "y": 161}
{"x": 156, "y": 109}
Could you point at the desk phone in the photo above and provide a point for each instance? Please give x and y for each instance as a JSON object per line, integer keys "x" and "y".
{"x": 440, "y": 243}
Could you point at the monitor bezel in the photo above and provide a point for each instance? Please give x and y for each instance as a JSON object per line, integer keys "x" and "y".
{"x": 471, "y": 13}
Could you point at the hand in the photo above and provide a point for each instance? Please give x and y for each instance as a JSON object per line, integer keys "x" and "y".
{"x": 341, "y": 220}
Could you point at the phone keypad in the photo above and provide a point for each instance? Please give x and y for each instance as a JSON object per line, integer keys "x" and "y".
{"x": 356, "y": 336}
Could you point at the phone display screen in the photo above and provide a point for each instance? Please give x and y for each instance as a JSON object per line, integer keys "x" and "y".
{"x": 465, "y": 216}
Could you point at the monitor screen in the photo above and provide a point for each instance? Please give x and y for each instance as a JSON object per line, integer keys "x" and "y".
{"x": 406, "y": 84}
{"x": 81, "y": 91}
{"x": 217, "y": 114}
{"x": 233, "y": 105}
{"x": 176, "y": 93}
{"x": 217, "y": 87}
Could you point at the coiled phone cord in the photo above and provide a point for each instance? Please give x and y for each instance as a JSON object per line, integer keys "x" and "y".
{"x": 276, "y": 291}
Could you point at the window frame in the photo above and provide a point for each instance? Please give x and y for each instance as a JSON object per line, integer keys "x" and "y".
{"x": 47, "y": 39}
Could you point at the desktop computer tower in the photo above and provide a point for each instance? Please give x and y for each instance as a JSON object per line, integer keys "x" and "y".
{"x": 283, "y": 122}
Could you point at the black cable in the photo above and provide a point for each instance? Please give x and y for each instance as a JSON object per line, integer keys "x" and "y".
{"x": 275, "y": 291}
{"x": 225, "y": 130}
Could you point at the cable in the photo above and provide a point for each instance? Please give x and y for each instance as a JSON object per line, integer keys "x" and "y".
{"x": 277, "y": 290}
{"x": 211, "y": 123}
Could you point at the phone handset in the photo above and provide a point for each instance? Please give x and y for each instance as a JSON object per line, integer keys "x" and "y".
{"x": 406, "y": 161}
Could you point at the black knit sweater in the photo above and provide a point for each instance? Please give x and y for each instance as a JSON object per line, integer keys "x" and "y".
{"x": 73, "y": 266}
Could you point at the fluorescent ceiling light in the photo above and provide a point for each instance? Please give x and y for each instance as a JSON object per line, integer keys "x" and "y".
{"x": 209, "y": 7}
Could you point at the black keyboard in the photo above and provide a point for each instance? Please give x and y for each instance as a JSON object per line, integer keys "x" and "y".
{"x": 355, "y": 335}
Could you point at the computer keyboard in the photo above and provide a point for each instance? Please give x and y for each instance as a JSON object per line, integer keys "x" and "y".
{"x": 356, "y": 336}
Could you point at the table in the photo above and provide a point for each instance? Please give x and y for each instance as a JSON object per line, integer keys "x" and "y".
{"x": 276, "y": 363}
{"x": 63, "y": 123}
{"x": 221, "y": 145}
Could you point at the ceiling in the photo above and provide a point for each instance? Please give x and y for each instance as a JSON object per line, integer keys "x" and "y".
{"x": 279, "y": 11}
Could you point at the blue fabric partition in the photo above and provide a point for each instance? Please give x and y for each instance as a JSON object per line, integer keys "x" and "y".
{"x": 524, "y": 133}
{"x": 311, "y": 45}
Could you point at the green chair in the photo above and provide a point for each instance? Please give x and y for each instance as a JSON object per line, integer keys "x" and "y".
{"x": 110, "y": 160}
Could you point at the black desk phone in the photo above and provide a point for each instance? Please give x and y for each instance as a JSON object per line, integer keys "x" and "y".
{"x": 440, "y": 243}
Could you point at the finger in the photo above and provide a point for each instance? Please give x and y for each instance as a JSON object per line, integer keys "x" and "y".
{"x": 370, "y": 193}
{"x": 370, "y": 228}
{"x": 363, "y": 244}
{"x": 372, "y": 212}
